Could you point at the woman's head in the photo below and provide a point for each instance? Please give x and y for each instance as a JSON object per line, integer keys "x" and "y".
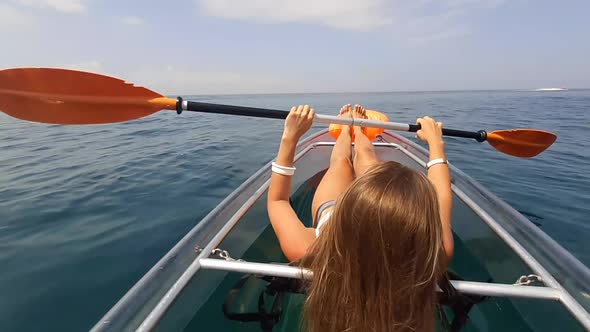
{"x": 377, "y": 262}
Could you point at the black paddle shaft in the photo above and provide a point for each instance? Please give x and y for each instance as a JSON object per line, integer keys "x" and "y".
{"x": 236, "y": 110}
{"x": 194, "y": 106}
{"x": 479, "y": 136}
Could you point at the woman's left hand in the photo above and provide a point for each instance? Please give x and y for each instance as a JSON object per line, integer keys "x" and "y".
{"x": 298, "y": 122}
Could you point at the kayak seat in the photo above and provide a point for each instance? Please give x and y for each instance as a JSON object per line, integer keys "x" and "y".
{"x": 260, "y": 299}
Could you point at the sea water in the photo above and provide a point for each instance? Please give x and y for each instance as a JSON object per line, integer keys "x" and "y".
{"x": 85, "y": 211}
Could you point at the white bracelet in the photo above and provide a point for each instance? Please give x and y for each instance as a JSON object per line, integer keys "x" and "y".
{"x": 283, "y": 170}
{"x": 435, "y": 162}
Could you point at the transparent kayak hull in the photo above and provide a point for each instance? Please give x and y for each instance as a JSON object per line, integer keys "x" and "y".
{"x": 494, "y": 244}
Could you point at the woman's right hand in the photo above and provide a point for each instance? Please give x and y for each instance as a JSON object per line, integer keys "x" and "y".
{"x": 430, "y": 130}
{"x": 298, "y": 122}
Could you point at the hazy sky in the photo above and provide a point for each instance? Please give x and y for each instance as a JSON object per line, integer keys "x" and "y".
{"x": 251, "y": 46}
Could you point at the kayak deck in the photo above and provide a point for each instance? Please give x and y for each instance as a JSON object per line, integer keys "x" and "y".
{"x": 493, "y": 243}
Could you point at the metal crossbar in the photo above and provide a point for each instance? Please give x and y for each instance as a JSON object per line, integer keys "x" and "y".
{"x": 467, "y": 287}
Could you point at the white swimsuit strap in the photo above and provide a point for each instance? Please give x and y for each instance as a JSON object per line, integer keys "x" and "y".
{"x": 326, "y": 214}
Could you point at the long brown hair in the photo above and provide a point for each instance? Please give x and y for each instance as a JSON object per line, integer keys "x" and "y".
{"x": 377, "y": 262}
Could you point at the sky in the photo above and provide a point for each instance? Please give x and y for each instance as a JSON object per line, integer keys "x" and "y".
{"x": 294, "y": 46}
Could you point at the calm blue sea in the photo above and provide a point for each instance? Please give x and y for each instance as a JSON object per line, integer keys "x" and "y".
{"x": 86, "y": 210}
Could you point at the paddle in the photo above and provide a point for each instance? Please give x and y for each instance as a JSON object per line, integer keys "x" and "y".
{"x": 61, "y": 96}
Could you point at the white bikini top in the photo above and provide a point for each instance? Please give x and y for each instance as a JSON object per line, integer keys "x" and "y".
{"x": 324, "y": 217}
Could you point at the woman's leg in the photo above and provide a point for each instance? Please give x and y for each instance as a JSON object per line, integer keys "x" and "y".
{"x": 340, "y": 174}
{"x": 365, "y": 156}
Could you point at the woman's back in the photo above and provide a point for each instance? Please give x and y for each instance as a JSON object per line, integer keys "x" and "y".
{"x": 377, "y": 262}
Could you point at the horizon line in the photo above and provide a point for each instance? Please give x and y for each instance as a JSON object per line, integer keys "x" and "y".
{"x": 376, "y": 92}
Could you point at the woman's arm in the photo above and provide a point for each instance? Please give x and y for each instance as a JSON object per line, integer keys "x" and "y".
{"x": 440, "y": 177}
{"x": 293, "y": 236}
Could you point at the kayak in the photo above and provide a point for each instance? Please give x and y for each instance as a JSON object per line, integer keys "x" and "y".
{"x": 228, "y": 273}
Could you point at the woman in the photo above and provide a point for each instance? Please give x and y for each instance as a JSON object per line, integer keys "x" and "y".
{"x": 383, "y": 237}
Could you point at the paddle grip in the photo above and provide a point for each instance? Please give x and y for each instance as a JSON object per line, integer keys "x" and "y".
{"x": 236, "y": 110}
{"x": 479, "y": 136}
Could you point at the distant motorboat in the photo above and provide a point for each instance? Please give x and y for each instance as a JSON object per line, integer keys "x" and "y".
{"x": 551, "y": 89}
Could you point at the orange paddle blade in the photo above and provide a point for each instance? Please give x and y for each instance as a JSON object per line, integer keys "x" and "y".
{"x": 523, "y": 143}
{"x": 61, "y": 96}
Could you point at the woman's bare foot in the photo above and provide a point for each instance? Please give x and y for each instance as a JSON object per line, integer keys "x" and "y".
{"x": 365, "y": 156}
{"x": 345, "y": 111}
{"x": 359, "y": 113}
